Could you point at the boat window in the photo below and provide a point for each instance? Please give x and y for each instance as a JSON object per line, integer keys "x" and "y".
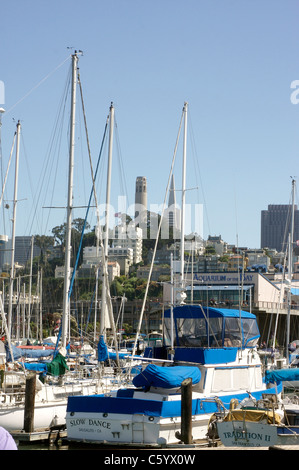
{"x": 232, "y": 333}
{"x": 250, "y": 332}
{"x": 192, "y": 332}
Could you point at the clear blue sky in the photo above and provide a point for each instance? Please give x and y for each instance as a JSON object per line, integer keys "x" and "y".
{"x": 232, "y": 60}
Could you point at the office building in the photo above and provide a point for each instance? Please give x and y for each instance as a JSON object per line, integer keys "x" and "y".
{"x": 276, "y": 226}
{"x": 22, "y": 254}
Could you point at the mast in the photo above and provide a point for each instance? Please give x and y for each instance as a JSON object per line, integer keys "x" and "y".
{"x": 104, "y": 316}
{"x": 181, "y": 294}
{"x": 290, "y": 269}
{"x": 41, "y": 305}
{"x": 67, "y": 271}
{"x": 12, "y": 262}
{"x": 30, "y": 287}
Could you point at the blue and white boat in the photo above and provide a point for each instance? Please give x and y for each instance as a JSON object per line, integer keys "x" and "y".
{"x": 214, "y": 347}
{"x": 270, "y": 421}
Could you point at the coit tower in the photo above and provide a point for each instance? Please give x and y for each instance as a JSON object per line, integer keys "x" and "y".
{"x": 141, "y": 201}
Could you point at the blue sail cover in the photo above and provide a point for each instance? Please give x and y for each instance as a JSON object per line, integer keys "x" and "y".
{"x": 26, "y": 353}
{"x": 165, "y": 377}
{"x": 102, "y": 350}
{"x": 281, "y": 375}
{"x": 36, "y": 366}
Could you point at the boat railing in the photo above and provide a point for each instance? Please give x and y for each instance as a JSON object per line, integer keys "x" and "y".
{"x": 12, "y": 389}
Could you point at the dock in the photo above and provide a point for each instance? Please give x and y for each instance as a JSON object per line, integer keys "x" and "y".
{"x": 50, "y": 435}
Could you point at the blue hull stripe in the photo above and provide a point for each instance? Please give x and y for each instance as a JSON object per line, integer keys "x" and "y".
{"x": 164, "y": 409}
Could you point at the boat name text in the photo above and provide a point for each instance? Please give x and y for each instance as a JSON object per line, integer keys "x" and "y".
{"x": 90, "y": 422}
{"x": 240, "y": 435}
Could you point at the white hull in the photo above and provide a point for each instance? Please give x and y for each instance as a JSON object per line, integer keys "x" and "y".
{"x": 45, "y": 416}
{"x": 250, "y": 434}
{"x": 104, "y": 424}
{"x": 246, "y": 434}
{"x": 50, "y": 403}
{"x": 131, "y": 430}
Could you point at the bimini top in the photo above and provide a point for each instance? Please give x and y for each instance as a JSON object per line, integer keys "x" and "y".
{"x": 197, "y": 311}
{"x": 200, "y": 327}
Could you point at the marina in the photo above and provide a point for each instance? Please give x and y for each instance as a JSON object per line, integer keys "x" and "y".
{"x": 151, "y": 331}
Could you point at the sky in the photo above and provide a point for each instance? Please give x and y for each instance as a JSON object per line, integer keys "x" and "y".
{"x": 233, "y": 61}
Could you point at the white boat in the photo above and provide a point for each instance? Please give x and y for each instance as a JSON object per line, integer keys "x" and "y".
{"x": 216, "y": 347}
{"x": 49, "y": 404}
{"x": 51, "y": 395}
{"x": 267, "y": 422}
{"x": 150, "y": 412}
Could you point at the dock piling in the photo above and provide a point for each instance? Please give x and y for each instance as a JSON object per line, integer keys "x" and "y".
{"x": 29, "y": 402}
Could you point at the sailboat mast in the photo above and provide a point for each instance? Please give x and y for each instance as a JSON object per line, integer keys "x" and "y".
{"x": 66, "y": 301}
{"x": 290, "y": 269}
{"x": 12, "y": 262}
{"x": 185, "y": 110}
{"x": 30, "y": 287}
{"x": 106, "y": 231}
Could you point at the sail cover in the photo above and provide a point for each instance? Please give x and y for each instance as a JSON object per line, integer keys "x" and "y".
{"x": 281, "y": 375}
{"x": 166, "y": 377}
{"x": 26, "y": 353}
{"x": 102, "y": 350}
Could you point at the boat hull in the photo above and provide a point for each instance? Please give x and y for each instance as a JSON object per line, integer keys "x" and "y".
{"x": 49, "y": 408}
{"x": 251, "y": 434}
{"x": 133, "y": 418}
{"x": 45, "y": 416}
{"x": 130, "y": 430}
{"x": 246, "y": 434}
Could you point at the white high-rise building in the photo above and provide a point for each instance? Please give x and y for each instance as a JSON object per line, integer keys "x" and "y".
{"x": 129, "y": 236}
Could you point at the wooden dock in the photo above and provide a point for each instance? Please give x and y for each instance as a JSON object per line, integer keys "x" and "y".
{"x": 51, "y": 435}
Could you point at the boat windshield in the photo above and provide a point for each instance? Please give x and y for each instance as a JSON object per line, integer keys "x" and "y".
{"x": 212, "y": 332}
{"x": 251, "y": 332}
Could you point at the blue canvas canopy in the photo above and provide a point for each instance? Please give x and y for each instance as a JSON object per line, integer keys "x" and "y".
{"x": 197, "y": 311}
{"x": 201, "y": 327}
{"x": 166, "y": 377}
{"x": 282, "y": 375}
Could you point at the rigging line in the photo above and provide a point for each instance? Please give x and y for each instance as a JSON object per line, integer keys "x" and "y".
{"x": 29, "y": 178}
{"x": 120, "y": 162}
{"x": 81, "y": 167}
{"x": 287, "y": 225}
{"x": 198, "y": 169}
{"x": 105, "y": 272}
{"x": 49, "y": 162}
{"x": 157, "y": 237}
{"x": 93, "y": 193}
{"x": 38, "y": 84}
{"x": 59, "y": 133}
{"x": 9, "y": 162}
{"x": 87, "y": 136}
{"x": 85, "y": 220}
